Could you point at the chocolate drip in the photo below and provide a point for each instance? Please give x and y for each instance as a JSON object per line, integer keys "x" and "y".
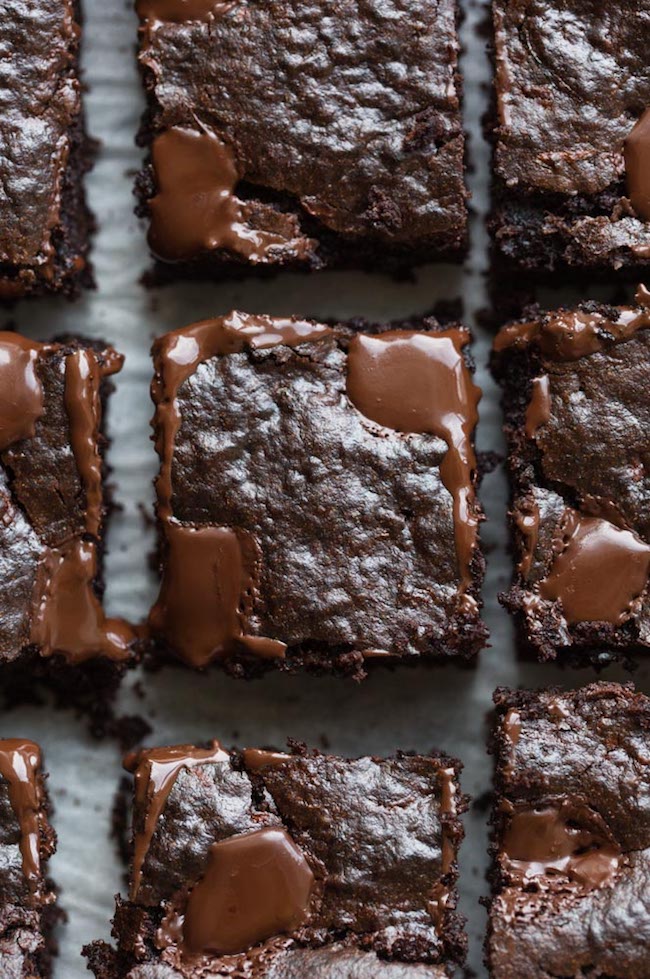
{"x": 419, "y": 382}
{"x": 539, "y": 406}
{"x": 256, "y": 885}
{"x": 570, "y": 335}
{"x": 20, "y": 763}
{"x": 526, "y": 517}
{"x": 21, "y": 393}
{"x": 566, "y": 841}
{"x": 599, "y": 571}
{"x": 155, "y": 773}
{"x": 210, "y": 572}
{"x": 440, "y": 892}
{"x": 68, "y": 617}
{"x": 637, "y": 166}
{"x": 256, "y": 759}
{"x": 195, "y": 208}
{"x": 178, "y": 354}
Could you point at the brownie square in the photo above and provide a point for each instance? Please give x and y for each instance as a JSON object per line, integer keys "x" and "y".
{"x": 44, "y": 151}
{"x": 571, "y": 135}
{"x": 272, "y": 865}
{"x": 53, "y": 506}
{"x": 316, "y": 497}
{"x": 578, "y": 427}
{"x": 27, "y": 841}
{"x": 301, "y": 135}
{"x": 571, "y": 840}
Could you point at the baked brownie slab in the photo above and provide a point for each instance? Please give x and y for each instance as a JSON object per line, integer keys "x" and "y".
{"x": 572, "y": 134}
{"x": 577, "y": 413}
{"x": 316, "y": 497}
{"x": 27, "y": 841}
{"x": 302, "y": 134}
{"x": 44, "y": 152}
{"x": 571, "y": 834}
{"x": 271, "y": 865}
{"x": 53, "y": 506}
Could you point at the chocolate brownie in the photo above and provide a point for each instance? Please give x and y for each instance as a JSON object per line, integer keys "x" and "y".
{"x": 578, "y": 426}
{"x": 27, "y": 841}
{"x": 316, "y": 496}
{"x": 303, "y": 135}
{"x": 44, "y": 151}
{"x": 571, "y": 184}
{"x": 269, "y": 865}
{"x": 571, "y": 845}
{"x": 53, "y": 507}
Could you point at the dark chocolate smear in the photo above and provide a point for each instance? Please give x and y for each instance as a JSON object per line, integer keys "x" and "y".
{"x": 256, "y": 885}
{"x": 21, "y": 393}
{"x": 637, "y": 166}
{"x": 20, "y": 763}
{"x": 180, "y": 11}
{"x": 539, "y": 406}
{"x": 571, "y": 334}
{"x": 599, "y": 571}
{"x": 563, "y": 841}
{"x": 419, "y": 382}
{"x": 68, "y": 617}
{"x": 195, "y": 208}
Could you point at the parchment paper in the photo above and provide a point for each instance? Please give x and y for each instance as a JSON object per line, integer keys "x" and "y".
{"x": 419, "y": 708}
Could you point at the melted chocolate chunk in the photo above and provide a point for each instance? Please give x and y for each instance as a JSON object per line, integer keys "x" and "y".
{"x": 637, "y": 166}
{"x": 303, "y": 426}
{"x": 255, "y": 886}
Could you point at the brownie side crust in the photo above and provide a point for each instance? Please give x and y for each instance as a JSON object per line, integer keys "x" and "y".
{"x": 571, "y": 136}
{"x": 365, "y": 850}
{"x": 575, "y": 388}
{"x": 52, "y": 400}
{"x": 44, "y": 153}
{"x": 317, "y": 135}
{"x": 311, "y": 434}
{"x": 571, "y": 837}
{"x": 27, "y": 841}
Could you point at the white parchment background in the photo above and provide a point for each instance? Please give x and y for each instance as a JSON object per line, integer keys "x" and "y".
{"x": 415, "y": 709}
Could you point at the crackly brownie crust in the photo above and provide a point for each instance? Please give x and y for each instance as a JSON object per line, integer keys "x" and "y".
{"x": 379, "y": 837}
{"x": 571, "y": 82}
{"x": 577, "y": 425}
{"x": 52, "y": 411}
{"x": 28, "y": 909}
{"x": 356, "y": 159}
{"x": 571, "y": 837}
{"x": 44, "y": 221}
{"x": 294, "y": 462}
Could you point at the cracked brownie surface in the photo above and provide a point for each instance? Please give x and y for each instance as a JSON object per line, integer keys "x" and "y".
{"x": 571, "y": 841}
{"x": 571, "y": 134}
{"x": 365, "y": 850}
{"x": 575, "y": 388}
{"x": 311, "y": 486}
{"x": 44, "y": 152}
{"x": 331, "y": 131}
